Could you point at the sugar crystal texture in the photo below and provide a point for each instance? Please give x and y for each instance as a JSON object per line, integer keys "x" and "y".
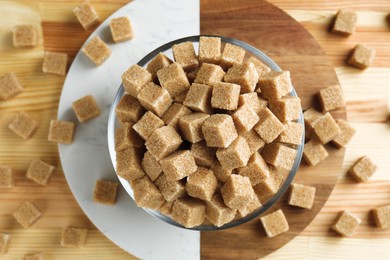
{"x": 86, "y": 15}
{"x": 121, "y": 29}
{"x": 275, "y": 223}
{"x": 96, "y": 50}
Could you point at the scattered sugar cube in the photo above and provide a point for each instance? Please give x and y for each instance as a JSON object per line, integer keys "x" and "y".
{"x": 173, "y": 79}
{"x": 254, "y": 141}
{"x": 244, "y": 75}
{"x": 36, "y": 256}
{"x": 86, "y": 15}
{"x": 151, "y": 166}
{"x": 269, "y": 186}
{"x": 9, "y": 86}
{"x": 346, "y": 134}
{"x": 301, "y": 196}
{"x": 217, "y": 212}
{"x": 96, "y": 50}
{"x": 363, "y": 169}
{"x": 164, "y": 141}
{"x": 275, "y": 84}
{"x": 269, "y": 127}
{"x": 221, "y": 173}
{"x": 253, "y": 100}
{"x": 202, "y": 184}
{"x": 6, "y": 177}
{"x": 209, "y": 74}
{"x": 231, "y": 55}
{"x": 157, "y": 63}
{"x": 178, "y": 165}
{"x": 310, "y": 115}
{"x": 189, "y": 212}
{"x": 279, "y": 155}
{"x": 237, "y": 191}
{"x": 326, "y": 128}
{"x": 23, "y": 125}
{"x": 146, "y": 194}
{"x": 209, "y": 50}
{"x": 5, "y": 239}
{"x": 61, "y": 131}
{"x": 126, "y": 137}
{"x": 261, "y": 68}
{"x": 129, "y": 109}
{"x": 135, "y": 78}
{"x": 225, "y": 96}
{"x": 292, "y": 134}
{"x": 184, "y": 54}
{"x": 345, "y": 22}
{"x": 331, "y": 98}
{"x": 55, "y": 63}
{"x": 86, "y": 108}
{"x": 171, "y": 190}
{"x": 219, "y": 130}
{"x": 382, "y": 216}
{"x": 274, "y": 223}
{"x": 174, "y": 113}
{"x": 235, "y": 155}
{"x": 362, "y": 57}
{"x": 245, "y": 118}
{"x": 39, "y": 172}
{"x": 256, "y": 170}
{"x": 128, "y": 164}
{"x": 147, "y": 124}
{"x": 286, "y": 108}
{"x": 25, "y": 36}
{"x": 198, "y": 98}
{"x": 191, "y": 126}
{"x": 121, "y": 29}
{"x": 27, "y": 214}
{"x": 105, "y": 192}
{"x": 314, "y": 152}
{"x": 73, "y": 237}
{"x": 346, "y": 223}
{"x": 204, "y": 155}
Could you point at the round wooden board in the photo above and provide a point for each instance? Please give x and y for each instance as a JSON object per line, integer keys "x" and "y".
{"x": 271, "y": 30}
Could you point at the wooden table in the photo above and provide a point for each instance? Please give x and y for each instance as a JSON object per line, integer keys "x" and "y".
{"x": 367, "y": 95}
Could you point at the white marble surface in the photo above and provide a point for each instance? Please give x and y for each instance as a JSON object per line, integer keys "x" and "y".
{"x": 155, "y": 22}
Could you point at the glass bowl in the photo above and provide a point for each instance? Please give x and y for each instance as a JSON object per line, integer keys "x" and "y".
{"x": 166, "y": 49}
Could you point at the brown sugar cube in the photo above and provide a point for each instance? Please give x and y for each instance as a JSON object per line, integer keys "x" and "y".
{"x": 231, "y": 55}
{"x": 382, "y": 216}
{"x": 181, "y": 97}
{"x": 86, "y": 15}
{"x": 237, "y": 191}
{"x": 198, "y": 98}
{"x": 314, "y": 152}
{"x": 326, "y": 128}
{"x": 39, "y": 172}
{"x": 178, "y": 165}
{"x": 225, "y": 96}
{"x": 61, "y": 131}
{"x": 301, "y": 196}
{"x": 37, "y": 256}
{"x": 55, "y": 63}
{"x": 269, "y": 127}
{"x": 362, "y": 57}
{"x": 279, "y": 155}
{"x": 135, "y": 78}
{"x": 189, "y": 212}
{"x": 275, "y": 84}
{"x": 209, "y": 49}
{"x": 253, "y": 204}
{"x": 254, "y": 141}
{"x": 256, "y": 170}
{"x": 292, "y": 134}
{"x": 274, "y": 223}
{"x": 310, "y": 115}
{"x": 128, "y": 164}
{"x": 244, "y": 75}
{"x": 25, "y": 36}
{"x": 184, "y": 54}
{"x": 269, "y": 186}
{"x": 23, "y": 125}
{"x": 27, "y": 214}
{"x": 346, "y": 134}
{"x": 147, "y": 124}
{"x": 105, "y": 192}
{"x": 217, "y": 212}
{"x": 202, "y": 184}
{"x": 363, "y": 169}
{"x": 86, "y": 108}
{"x": 173, "y": 79}
{"x": 171, "y": 190}
{"x": 235, "y": 155}
{"x": 129, "y": 109}
{"x": 146, "y": 194}
{"x": 157, "y": 63}
{"x": 331, "y": 98}
{"x": 174, "y": 113}
{"x": 191, "y": 126}
{"x": 245, "y": 118}
{"x": 204, "y": 155}
{"x": 166, "y": 208}
{"x": 121, "y": 29}
{"x": 126, "y": 137}
{"x": 286, "y": 108}
{"x": 345, "y": 22}
{"x": 209, "y": 74}
{"x": 192, "y": 75}
{"x": 221, "y": 173}
{"x": 9, "y": 86}
{"x": 219, "y": 130}
{"x": 5, "y": 239}
{"x": 73, "y": 237}
{"x": 261, "y": 68}
{"x": 253, "y": 100}
{"x": 6, "y": 177}
{"x": 164, "y": 141}
{"x": 96, "y": 50}
{"x": 151, "y": 166}
{"x": 346, "y": 223}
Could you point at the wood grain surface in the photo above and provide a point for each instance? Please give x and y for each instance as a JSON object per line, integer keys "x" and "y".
{"x": 367, "y": 94}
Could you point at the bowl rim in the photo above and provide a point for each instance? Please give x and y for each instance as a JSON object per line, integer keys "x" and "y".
{"x": 270, "y": 202}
